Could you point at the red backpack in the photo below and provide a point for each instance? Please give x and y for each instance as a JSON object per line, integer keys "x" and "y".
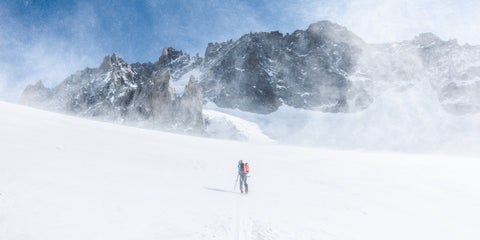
{"x": 245, "y": 168}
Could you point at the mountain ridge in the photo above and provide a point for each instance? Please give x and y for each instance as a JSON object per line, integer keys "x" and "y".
{"x": 324, "y": 68}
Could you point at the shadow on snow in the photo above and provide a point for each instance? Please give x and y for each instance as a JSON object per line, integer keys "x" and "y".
{"x": 220, "y": 190}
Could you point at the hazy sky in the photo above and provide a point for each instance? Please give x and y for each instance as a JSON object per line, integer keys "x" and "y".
{"x": 49, "y": 40}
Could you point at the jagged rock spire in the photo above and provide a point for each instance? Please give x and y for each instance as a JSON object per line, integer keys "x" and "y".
{"x": 192, "y": 88}
{"x": 426, "y": 39}
{"x": 106, "y": 63}
{"x": 35, "y": 95}
{"x": 163, "y": 84}
{"x": 168, "y": 55}
{"x": 333, "y": 32}
{"x": 191, "y": 107}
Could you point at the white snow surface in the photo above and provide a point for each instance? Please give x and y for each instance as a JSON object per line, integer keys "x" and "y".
{"x": 69, "y": 178}
{"x": 221, "y": 125}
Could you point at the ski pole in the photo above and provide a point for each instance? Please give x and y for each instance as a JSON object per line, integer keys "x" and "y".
{"x": 236, "y": 182}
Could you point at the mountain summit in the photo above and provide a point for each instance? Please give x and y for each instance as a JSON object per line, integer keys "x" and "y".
{"x": 324, "y": 68}
{"x": 119, "y": 92}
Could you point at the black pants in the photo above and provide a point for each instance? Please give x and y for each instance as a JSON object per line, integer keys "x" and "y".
{"x": 243, "y": 182}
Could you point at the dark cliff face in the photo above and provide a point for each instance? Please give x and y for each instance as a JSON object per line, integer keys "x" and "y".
{"x": 260, "y": 71}
{"x": 330, "y": 69}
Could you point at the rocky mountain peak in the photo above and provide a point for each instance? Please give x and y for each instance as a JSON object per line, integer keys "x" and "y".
{"x": 214, "y": 48}
{"x": 169, "y": 55}
{"x": 35, "y": 94}
{"x": 106, "y": 63}
{"x": 178, "y": 62}
{"x": 117, "y": 91}
{"x": 426, "y": 39}
{"x": 38, "y": 85}
{"x": 333, "y": 32}
{"x": 190, "y": 109}
{"x": 261, "y": 71}
{"x": 110, "y": 61}
{"x": 192, "y": 88}
{"x": 325, "y": 67}
{"x": 325, "y": 26}
{"x": 164, "y": 84}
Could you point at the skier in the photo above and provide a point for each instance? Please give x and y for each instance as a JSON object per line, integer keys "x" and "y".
{"x": 243, "y": 170}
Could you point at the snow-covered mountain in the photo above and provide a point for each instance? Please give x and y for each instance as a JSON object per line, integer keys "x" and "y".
{"x": 330, "y": 69}
{"x": 267, "y": 78}
{"x": 261, "y": 71}
{"x": 122, "y": 92}
{"x": 325, "y": 67}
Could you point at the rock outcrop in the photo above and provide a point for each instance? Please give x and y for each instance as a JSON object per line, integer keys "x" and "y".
{"x": 261, "y": 71}
{"x": 189, "y": 113}
{"x": 118, "y": 92}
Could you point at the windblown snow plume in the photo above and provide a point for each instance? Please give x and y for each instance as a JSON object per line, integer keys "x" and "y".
{"x": 323, "y": 86}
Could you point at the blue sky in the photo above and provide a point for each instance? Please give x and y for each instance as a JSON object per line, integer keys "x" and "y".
{"x": 138, "y": 30}
{"x": 49, "y": 40}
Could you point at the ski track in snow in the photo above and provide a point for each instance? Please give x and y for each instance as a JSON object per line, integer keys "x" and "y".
{"x": 240, "y": 224}
{"x": 244, "y": 226}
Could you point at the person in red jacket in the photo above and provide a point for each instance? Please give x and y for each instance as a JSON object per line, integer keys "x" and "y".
{"x": 243, "y": 170}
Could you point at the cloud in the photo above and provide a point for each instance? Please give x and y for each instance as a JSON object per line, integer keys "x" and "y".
{"x": 378, "y": 21}
{"x": 191, "y": 25}
{"x": 47, "y": 52}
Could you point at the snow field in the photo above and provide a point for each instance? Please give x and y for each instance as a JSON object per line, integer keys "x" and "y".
{"x": 69, "y": 178}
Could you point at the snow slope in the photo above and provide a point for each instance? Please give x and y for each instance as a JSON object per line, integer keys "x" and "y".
{"x": 221, "y": 125}
{"x": 69, "y": 178}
